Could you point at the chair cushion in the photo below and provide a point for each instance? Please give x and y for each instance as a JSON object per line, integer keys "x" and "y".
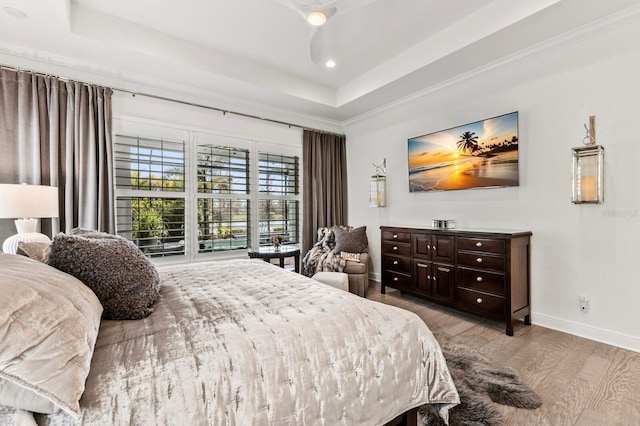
{"x": 355, "y": 267}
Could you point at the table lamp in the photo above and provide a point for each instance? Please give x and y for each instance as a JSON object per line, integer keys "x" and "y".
{"x": 26, "y": 203}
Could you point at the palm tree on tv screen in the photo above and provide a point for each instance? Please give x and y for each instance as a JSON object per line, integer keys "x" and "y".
{"x": 468, "y": 142}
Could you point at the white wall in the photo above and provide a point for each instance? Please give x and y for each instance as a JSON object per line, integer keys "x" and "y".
{"x": 173, "y": 114}
{"x": 576, "y": 249}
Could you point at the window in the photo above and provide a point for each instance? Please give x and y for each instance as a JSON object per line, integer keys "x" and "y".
{"x": 150, "y": 188}
{"x": 277, "y": 203}
{"x": 223, "y": 206}
{"x": 204, "y": 194}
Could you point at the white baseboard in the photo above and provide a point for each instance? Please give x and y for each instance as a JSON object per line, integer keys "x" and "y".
{"x": 609, "y": 337}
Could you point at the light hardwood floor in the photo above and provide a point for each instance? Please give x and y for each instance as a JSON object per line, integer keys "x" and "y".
{"x": 581, "y": 382}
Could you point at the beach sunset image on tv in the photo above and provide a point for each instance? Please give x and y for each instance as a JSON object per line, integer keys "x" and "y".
{"x": 475, "y": 155}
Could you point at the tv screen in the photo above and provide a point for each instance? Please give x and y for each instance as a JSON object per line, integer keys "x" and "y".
{"x": 483, "y": 154}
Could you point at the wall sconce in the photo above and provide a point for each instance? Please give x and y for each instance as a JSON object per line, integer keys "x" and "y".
{"x": 588, "y": 165}
{"x": 378, "y": 188}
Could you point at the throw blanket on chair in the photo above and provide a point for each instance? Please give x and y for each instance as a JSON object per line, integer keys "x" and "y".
{"x": 321, "y": 257}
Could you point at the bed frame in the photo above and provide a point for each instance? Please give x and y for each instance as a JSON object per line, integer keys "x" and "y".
{"x": 408, "y": 418}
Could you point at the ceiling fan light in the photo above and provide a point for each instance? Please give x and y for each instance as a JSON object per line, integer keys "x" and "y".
{"x": 317, "y": 18}
{"x": 330, "y": 63}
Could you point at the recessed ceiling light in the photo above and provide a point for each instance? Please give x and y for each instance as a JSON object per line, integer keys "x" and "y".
{"x": 331, "y": 63}
{"x": 316, "y": 18}
{"x": 16, "y": 13}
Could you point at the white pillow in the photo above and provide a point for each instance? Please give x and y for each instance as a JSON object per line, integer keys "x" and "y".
{"x": 49, "y": 323}
{"x": 355, "y": 257}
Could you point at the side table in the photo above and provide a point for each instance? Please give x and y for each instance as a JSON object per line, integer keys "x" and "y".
{"x": 267, "y": 253}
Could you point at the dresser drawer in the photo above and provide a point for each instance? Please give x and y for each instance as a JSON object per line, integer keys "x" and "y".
{"x": 398, "y": 264}
{"x": 396, "y": 280}
{"x": 475, "y": 279}
{"x": 400, "y": 249}
{"x": 481, "y": 260}
{"x": 402, "y": 237}
{"x": 482, "y": 244}
{"x": 480, "y": 303}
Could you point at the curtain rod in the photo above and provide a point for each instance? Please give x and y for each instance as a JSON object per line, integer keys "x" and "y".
{"x": 178, "y": 101}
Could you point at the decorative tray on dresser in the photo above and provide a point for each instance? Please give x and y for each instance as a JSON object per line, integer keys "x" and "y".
{"x": 482, "y": 272}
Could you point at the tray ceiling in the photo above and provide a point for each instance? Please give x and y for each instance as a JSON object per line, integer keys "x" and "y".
{"x": 257, "y": 51}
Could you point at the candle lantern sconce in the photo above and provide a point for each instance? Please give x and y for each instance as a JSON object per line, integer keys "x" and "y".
{"x": 378, "y": 186}
{"x": 587, "y": 170}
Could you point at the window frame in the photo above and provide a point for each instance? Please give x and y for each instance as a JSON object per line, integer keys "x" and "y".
{"x": 295, "y": 196}
{"x": 194, "y": 137}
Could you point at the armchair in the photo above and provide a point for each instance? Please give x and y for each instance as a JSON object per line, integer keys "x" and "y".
{"x": 358, "y": 273}
{"x": 341, "y": 249}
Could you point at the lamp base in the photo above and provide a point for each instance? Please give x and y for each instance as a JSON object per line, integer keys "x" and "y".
{"x": 11, "y": 244}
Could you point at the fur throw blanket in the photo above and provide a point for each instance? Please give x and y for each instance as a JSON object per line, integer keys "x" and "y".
{"x": 321, "y": 257}
{"x": 479, "y": 382}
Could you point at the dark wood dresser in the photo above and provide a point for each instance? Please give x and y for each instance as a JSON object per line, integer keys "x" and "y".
{"x": 482, "y": 272}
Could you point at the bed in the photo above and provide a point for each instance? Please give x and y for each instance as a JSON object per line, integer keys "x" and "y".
{"x": 243, "y": 342}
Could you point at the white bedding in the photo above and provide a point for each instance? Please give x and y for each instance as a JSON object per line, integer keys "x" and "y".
{"x": 243, "y": 342}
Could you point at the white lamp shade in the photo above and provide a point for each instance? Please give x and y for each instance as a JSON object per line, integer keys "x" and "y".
{"x": 22, "y": 201}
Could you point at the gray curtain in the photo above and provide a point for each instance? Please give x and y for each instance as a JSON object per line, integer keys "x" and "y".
{"x": 324, "y": 197}
{"x": 58, "y": 133}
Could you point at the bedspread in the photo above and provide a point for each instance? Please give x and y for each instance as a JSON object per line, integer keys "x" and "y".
{"x": 243, "y": 342}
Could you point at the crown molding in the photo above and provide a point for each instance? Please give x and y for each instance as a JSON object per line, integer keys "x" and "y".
{"x": 74, "y": 69}
{"x": 585, "y": 32}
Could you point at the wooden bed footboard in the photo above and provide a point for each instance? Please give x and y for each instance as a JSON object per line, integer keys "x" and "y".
{"x": 408, "y": 418}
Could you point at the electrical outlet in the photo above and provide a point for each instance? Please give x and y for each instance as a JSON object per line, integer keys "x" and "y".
{"x": 585, "y": 303}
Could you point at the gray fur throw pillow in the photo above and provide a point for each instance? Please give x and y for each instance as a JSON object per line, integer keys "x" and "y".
{"x": 123, "y": 279}
{"x": 351, "y": 240}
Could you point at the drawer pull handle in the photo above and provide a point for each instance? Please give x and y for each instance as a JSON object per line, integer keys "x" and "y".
{"x": 479, "y": 279}
{"x": 428, "y": 247}
{"x": 395, "y": 235}
{"x": 428, "y": 277}
{"x": 479, "y": 300}
{"x": 478, "y": 244}
{"x": 395, "y": 278}
{"x": 479, "y": 260}
{"x": 395, "y": 247}
{"x": 395, "y": 262}
{"x": 433, "y": 278}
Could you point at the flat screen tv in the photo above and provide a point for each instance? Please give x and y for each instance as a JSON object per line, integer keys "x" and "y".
{"x": 483, "y": 154}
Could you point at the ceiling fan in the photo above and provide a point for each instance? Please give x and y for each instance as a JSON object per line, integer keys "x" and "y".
{"x": 317, "y": 13}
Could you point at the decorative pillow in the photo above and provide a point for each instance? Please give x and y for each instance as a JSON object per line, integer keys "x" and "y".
{"x": 36, "y": 251}
{"x": 355, "y": 257}
{"x": 124, "y": 280}
{"x": 49, "y": 323}
{"x": 351, "y": 241}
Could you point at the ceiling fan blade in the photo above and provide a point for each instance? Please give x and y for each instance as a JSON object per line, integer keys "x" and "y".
{"x": 290, "y": 4}
{"x": 316, "y": 46}
{"x": 330, "y": 11}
